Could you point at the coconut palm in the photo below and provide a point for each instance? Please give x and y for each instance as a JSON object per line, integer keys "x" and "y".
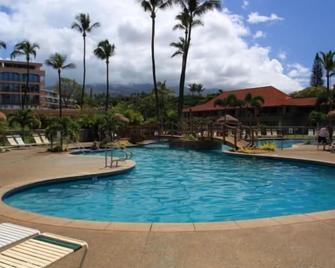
{"x": 3, "y": 44}
{"x": 254, "y": 103}
{"x": 196, "y": 88}
{"x": 192, "y": 11}
{"x": 152, "y": 6}
{"x": 27, "y": 49}
{"x": 228, "y": 102}
{"x": 105, "y": 51}
{"x": 24, "y": 119}
{"x": 58, "y": 62}
{"x": 84, "y": 26}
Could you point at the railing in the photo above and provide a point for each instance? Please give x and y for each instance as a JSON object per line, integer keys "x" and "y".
{"x": 110, "y": 160}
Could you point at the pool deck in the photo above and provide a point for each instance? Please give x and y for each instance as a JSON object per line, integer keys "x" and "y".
{"x": 306, "y": 240}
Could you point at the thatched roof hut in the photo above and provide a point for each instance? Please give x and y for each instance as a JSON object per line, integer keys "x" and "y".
{"x": 3, "y": 117}
{"x": 331, "y": 115}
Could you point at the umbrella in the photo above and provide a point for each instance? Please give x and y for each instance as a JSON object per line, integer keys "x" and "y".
{"x": 3, "y": 117}
{"x": 121, "y": 118}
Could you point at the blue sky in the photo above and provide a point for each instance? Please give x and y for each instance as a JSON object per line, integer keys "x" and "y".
{"x": 305, "y": 30}
{"x": 250, "y": 43}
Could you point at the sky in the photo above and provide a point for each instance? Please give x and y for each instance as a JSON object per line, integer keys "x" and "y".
{"x": 248, "y": 43}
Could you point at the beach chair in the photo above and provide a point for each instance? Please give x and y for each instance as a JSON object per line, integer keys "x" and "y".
{"x": 268, "y": 133}
{"x": 44, "y": 139}
{"x": 311, "y": 132}
{"x": 41, "y": 251}
{"x": 11, "y": 140}
{"x": 20, "y": 141}
{"x": 259, "y": 133}
{"x": 274, "y": 133}
{"x": 37, "y": 139}
{"x": 12, "y": 233}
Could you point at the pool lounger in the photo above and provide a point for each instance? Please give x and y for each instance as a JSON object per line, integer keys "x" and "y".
{"x": 40, "y": 251}
{"x": 12, "y": 233}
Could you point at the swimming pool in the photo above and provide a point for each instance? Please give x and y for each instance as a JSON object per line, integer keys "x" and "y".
{"x": 170, "y": 185}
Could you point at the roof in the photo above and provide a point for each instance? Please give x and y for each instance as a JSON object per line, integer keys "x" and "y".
{"x": 273, "y": 97}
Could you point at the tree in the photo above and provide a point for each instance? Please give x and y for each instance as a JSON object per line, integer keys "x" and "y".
{"x": 192, "y": 10}
{"x": 24, "y": 119}
{"x": 254, "y": 103}
{"x": 317, "y": 118}
{"x": 105, "y": 51}
{"x": 3, "y": 44}
{"x": 66, "y": 127}
{"x": 152, "y": 6}
{"x": 58, "y": 62}
{"x": 228, "y": 102}
{"x": 27, "y": 49}
{"x": 327, "y": 60}
{"x": 71, "y": 91}
{"x": 196, "y": 88}
{"x": 317, "y": 73}
{"x": 84, "y": 26}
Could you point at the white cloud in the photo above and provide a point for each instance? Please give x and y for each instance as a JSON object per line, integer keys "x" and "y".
{"x": 299, "y": 73}
{"x": 245, "y": 4}
{"x": 282, "y": 55}
{"x": 255, "y": 18}
{"x": 259, "y": 34}
{"x": 220, "y": 56}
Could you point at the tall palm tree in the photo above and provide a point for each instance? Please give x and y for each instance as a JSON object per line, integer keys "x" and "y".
{"x": 84, "y": 26}
{"x": 24, "y": 119}
{"x": 3, "y": 44}
{"x": 328, "y": 62}
{"x": 228, "y": 102}
{"x": 192, "y": 11}
{"x": 27, "y": 49}
{"x": 58, "y": 62}
{"x": 105, "y": 51}
{"x": 254, "y": 103}
{"x": 152, "y": 6}
{"x": 196, "y": 88}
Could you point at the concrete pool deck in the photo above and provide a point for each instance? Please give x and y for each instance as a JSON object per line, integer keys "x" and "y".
{"x": 295, "y": 241}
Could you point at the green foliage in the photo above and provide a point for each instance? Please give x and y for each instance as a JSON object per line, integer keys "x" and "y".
{"x": 24, "y": 120}
{"x": 309, "y": 92}
{"x": 271, "y": 147}
{"x": 316, "y": 117}
{"x": 317, "y": 73}
{"x": 3, "y": 127}
{"x": 71, "y": 91}
{"x": 190, "y": 138}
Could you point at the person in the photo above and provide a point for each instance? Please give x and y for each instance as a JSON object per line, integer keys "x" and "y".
{"x": 323, "y": 136}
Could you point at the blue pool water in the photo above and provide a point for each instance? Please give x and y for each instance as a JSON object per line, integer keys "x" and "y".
{"x": 171, "y": 185}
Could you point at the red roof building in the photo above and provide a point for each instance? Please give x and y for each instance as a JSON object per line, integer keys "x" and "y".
{"x": 277, "y": 109}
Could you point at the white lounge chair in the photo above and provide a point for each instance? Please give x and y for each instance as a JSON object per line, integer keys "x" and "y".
{"x": 259, "y": 133}
{"x": 37, "y": 139}
{"x": 44, "y": 139}
{"x": 12, "y": 141}
{"x": 274, "y": 133}
{"x": 311, "y": 132}
{"x": 12, "y": 233}
{"x": 20, "y": 141}
{"x": 268, "y": 133}
{"x": 41, "y": 251}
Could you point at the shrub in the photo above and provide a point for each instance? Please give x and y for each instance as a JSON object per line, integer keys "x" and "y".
{"x": 268, "y": 147}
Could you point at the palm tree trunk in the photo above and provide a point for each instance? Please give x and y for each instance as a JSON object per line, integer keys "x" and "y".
{"x": 60, "y": 95}
{"x": 24, "y": 98}
{"x": 153, "y": 33}
{"x": 84, "y": 74}
{"x": 183, "y": 75}
{"x": 107, "y": 83}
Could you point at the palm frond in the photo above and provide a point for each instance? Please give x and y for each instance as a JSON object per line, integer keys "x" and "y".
{"x": 77, "y": 27}
{"x": 2, "y": 44}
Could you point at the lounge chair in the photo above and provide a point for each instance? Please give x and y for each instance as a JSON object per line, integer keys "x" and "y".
{"x": 274, "y": 133}
{"x": 37, "y": 139}
{"x": 11, "y": 140}
{"x": 259, "y": 133}
{"x": 20, "y": 141}
{"x": 12, "y": 233}
{"x": 311, "y": 132}
{"x": 268, "y": 133}
{"x": 41, "y": 251}
{"x": 44, "y": 139}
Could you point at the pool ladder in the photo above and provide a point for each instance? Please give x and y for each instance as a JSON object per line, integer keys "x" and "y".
{"x": 109, "y": 160}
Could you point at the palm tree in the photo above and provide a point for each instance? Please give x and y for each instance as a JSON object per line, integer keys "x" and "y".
{"x": 228, "y": 102}
{"x": 152, "y": 6}
{"x": 192, "y": 10}
{"x": 254, "y": 103}
{"x": 27, "y": 49}
{"x": 328, "y": 62}
{"x": 196, "y": 88}
{"x": 57, "y": 62}
{"x": 24, "y": 119}
{"x": 84, "y": 26}
{"x": 105, "y": 51}
{"x": 3, "y": 44}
